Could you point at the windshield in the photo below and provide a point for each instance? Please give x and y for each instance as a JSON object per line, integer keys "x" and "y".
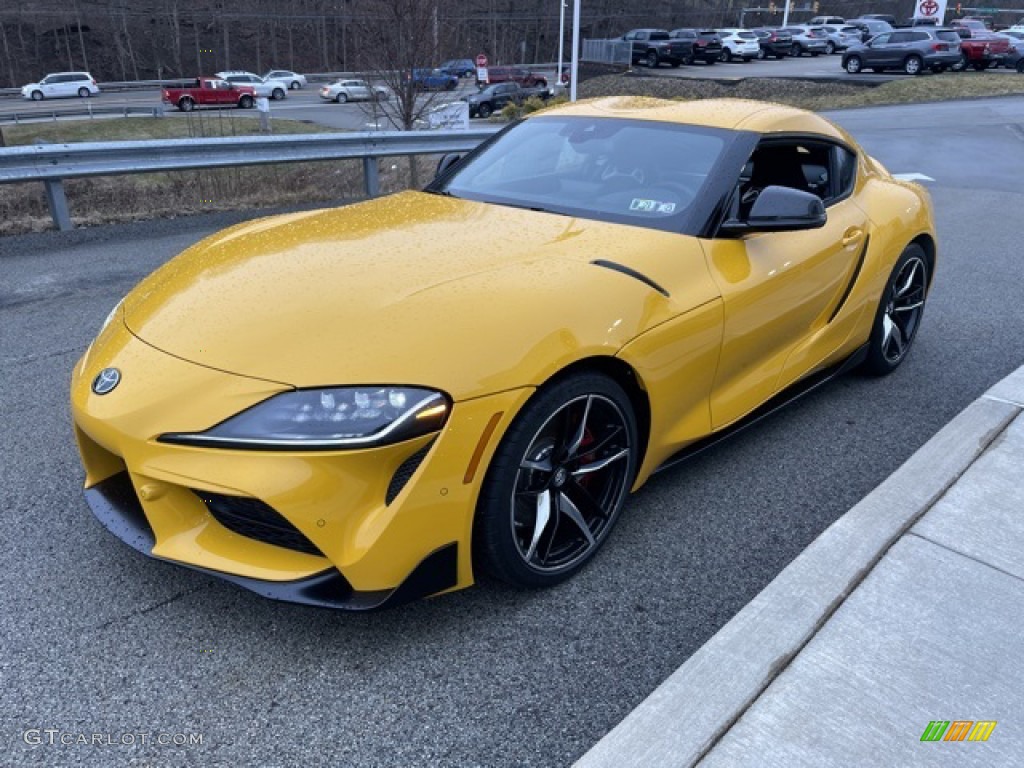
{"x": 638, "y": 172}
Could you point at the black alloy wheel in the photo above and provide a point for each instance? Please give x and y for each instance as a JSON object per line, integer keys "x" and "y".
{"x": 557, "y": 483}
{"x": 899, "y": 312}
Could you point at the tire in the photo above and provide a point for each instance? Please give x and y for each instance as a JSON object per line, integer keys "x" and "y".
{"x": 37, "y": 95}
{"x": 853, "y": 65}
{"x": 761, "y": 55}
{"x": 796, "y": 51}
{"x": 725, "y": 55}
{"x": 185, "y": 104}
{"x": 450, "y": 85}
{"x": 485, "y": 110}
{"x": 830, "y": 47}
{"x": 961, "y": 65}
{"x": 277, "y": 94}
{"x": 541, "y": 84}
{"x": 294, "y": 85}
{"x": 547, "y": 504}
{"x": 913, "y": 65}
{"x": 899, "y": 312}
{"x": 245, "y": 102}
{"x": 341, "y": 98}
{"x": 652, "y": 59}
{"x": 83, "y": 93}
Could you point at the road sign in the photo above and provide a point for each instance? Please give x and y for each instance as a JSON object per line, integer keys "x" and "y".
{"x": 481, "y": 60}
{"x": 932, "y": 10}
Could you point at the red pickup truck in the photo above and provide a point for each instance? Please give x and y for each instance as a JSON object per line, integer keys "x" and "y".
{"x": 210, "y": 91}
{"x": 980, "y": 49}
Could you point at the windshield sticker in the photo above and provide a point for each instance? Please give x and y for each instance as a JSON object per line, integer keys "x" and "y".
{"x": 651, "y": 206}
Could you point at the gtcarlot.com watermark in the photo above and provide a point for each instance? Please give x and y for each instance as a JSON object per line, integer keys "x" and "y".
{"x": 53, "y": 737}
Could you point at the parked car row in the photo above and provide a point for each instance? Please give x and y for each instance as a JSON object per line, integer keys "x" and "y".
{"x": 274, "y": 85}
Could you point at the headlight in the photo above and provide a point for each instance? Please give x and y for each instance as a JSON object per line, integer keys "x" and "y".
{"x": 327, "y": 419}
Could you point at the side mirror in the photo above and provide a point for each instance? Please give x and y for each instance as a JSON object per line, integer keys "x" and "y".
{"x": 779, "y": 209}
{"x": 446, "y": 162}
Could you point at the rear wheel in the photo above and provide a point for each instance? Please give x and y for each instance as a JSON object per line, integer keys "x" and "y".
{"x": 83, "y": 93}
{"x": 485, "y": 110}
{"x": 899, "y": 312}
{"x": 652, "y": 59}
{"x": 186, "y": 104}
{"x": 761, "y": 54}
{"x": 961, "y": 65}
{"x": 913, "y": 65}
{"x": 726, "y": 55}
{"x": 341, "y": 98}
{"x": 795, "y": 51}
{"x": 830, "y": 47}
{"x": 853, "y": 65}
{"x": 294, "y": 85}
{"x": 557, "y": 483}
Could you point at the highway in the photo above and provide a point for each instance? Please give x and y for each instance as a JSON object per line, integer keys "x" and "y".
{"x": 99, "y": 639}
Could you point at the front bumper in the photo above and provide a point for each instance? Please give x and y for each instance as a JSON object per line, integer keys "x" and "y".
{"x": 377, "y": 525}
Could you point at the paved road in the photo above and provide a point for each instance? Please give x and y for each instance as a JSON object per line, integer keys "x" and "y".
{"x": 99, "y": 639}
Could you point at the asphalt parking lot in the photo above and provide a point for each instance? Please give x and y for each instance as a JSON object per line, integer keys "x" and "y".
{"x": 100, "y": 640}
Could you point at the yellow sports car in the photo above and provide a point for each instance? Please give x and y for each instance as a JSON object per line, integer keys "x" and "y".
{"x": 360, "y": 406}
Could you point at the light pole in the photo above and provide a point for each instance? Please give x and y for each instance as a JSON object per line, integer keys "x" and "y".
{"x": 785, "y": 15}
{"x": 575, "y": 68}
{"x": 561, "y": 39}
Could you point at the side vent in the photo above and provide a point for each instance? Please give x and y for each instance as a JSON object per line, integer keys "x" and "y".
{"x": 615, "y": 266}
{"x": 405, "y": 471}
{"x": 853, "y": 279}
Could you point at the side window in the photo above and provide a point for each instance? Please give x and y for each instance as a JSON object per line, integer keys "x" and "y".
{"x": 882, "y": 39}
{"x": 900, "y": 37}
{"x": 803, "y": 165}
{"x": 845, "y": 173}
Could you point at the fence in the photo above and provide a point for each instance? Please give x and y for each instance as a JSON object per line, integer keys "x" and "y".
{"x": 607, "y": 52}
{"x": 52, "y": 163}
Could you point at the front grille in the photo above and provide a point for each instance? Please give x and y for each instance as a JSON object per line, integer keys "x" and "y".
{"x": 405, "y": 472}
{"x": 252, "y": 518}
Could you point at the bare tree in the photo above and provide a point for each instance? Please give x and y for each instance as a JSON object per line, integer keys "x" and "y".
{"x": 397, "y": 38}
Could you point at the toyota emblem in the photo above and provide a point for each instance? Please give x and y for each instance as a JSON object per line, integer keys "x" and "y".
{"x": 106, "y": 380}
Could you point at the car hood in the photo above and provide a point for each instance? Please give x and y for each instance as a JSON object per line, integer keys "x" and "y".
{"x": 416, "y": 288}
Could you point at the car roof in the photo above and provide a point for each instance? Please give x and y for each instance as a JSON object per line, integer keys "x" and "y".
{"x": 732, "y": 114}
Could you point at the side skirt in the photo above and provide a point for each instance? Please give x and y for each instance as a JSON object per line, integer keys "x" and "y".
{"x": 784, "y": 398}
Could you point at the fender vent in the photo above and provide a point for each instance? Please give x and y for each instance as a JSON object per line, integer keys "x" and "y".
{"x": 405, "y": 472}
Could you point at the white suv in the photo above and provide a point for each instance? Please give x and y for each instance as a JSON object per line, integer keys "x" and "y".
{"x": 61, "y": 84}
{"x": 738, "y": 44}
{"x": 272, "y": 89}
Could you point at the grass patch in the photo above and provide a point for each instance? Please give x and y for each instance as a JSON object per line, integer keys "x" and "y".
{"x": 109, "y": 199}
{"x": 809, "y": 94}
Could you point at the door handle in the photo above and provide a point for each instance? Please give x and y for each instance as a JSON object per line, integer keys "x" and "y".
{"x": 852, "y": 236}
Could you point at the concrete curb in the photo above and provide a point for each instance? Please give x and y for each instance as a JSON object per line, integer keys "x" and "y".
{"x": 687, "y": 714}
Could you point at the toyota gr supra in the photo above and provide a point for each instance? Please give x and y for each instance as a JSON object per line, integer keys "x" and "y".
{"x": 360, "y": 406}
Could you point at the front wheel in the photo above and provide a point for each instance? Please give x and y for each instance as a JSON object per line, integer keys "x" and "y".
{"x": 485, "y": 110}
{"x": 37, "y": 95}
{"x": 652, "y": 60}
{"x": 853, "y": 65}
{"x": 83, "y": 93}
{"x": 899, "y": 312}
{"x": 726, "y": 55}
{"x": 557, "y": 483}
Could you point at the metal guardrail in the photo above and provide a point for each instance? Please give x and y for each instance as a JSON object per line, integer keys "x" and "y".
{"x": 52, "y": 163}
{"x": 89, "y": 111}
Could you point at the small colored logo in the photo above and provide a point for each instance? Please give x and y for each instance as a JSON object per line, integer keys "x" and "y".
{"x": 958, "y": 730}
{"x": 106, "y": 380}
